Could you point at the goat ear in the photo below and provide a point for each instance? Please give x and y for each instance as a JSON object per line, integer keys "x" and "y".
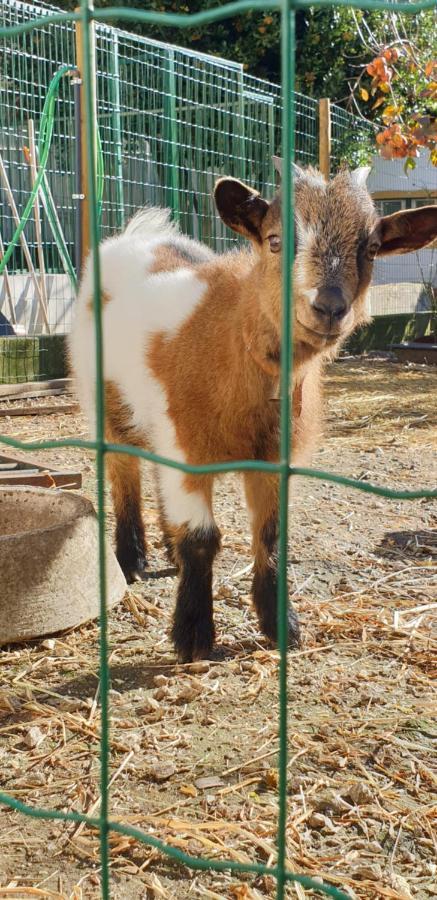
{"x": 278, "y": 164}
{"x": 359, "y": 176}
{"x": 407, "y": 230}
{"x": 240, "y": 207}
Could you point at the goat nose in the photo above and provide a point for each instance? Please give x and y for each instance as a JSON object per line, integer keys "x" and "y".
{"x": 331, "y": 304}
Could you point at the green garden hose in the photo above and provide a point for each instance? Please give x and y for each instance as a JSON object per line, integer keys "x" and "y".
{"x": 44, "y": 144}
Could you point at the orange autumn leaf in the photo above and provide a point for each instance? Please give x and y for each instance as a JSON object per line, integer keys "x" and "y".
{"x": 430, "y": 66}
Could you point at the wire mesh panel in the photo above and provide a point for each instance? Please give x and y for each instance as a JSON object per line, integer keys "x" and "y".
{"x": 37, "y": 277}
{"x": 352, "y": 138}
{"x": 170, "y": 122}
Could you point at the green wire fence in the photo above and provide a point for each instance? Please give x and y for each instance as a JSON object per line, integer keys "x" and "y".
{"x": 171, "y": 121}
{"x": 282, "y": 468}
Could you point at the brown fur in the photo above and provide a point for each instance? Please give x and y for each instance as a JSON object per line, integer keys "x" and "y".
{"x": 125, "y": 478}
{"x": 168, "y": 259}
{"x": 104, "y": 299}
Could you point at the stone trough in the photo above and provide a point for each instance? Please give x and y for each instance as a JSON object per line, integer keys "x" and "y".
{"x": 49, "y": 563}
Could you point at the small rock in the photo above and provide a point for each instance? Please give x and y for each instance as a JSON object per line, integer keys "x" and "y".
{"x": 162, "y": 771}
{"x": 161, "y": 693}
{"x": 38, "y": 778}
{"x": 202, "y": 665}
{"x": 400, "y": 884}
{"x": 150, "y": 704}
{"x": 360, "y": 793}
{"x": 368, "y": 871}
{"x": 49, "y": 644}
{"x": 132, "y": 742}
{"x": 160, "y": 680}
{"x": 189, "y": 692}
{"x": 333, "y": 803}
{"x": 208, "y": 781}
{"x": 321, "y": 822}
{"x": 33, "y": 737}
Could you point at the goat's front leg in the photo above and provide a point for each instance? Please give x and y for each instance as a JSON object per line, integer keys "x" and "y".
{"x": 195, "y": 541}
{"x": 262, "y": 499}
{"x": 124, "y": 474}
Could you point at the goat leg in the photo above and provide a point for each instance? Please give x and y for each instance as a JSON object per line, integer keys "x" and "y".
{"x": 262, "y": 499}
{"x": 193, "y": 631}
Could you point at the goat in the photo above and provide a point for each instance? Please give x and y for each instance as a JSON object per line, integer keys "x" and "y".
{"x": 192, "y": 359}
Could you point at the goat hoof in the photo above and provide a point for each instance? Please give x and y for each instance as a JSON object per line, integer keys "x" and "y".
{"x": 193, "y": 645}
{"x": 294, "y": 639}
{"x": 136, "y": 572}
{"x": 135, "y": 576}
{"x": 270, "y": 629}
{"x": 194, "y": 655}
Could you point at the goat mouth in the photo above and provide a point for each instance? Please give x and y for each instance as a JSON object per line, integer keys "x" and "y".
{"x": 326, "y": 335}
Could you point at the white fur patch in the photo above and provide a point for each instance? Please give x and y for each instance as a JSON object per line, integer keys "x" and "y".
{"x": 140, "y": 305}
{"x": 311, "y": 295}
{"x": 305, "y": 234}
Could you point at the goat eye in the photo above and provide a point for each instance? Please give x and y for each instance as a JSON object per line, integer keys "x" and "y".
{"x": 372, "y": 249}
{"x": 275, "y": 243}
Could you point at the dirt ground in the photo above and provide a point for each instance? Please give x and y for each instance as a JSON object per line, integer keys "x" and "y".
{"x": 194, "y": 749}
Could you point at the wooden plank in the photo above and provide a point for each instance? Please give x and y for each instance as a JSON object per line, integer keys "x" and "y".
{"x": 405, "y": 195}
{"x": 35, "y": 388}
{"x": 38, "y": 478}
{"x": 35, "y": 472}
{"x": 64, "y": 409}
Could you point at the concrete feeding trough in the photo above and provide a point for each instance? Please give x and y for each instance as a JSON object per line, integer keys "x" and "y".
{"x": 49, "y": 563}
{"x": 423, "y": 351}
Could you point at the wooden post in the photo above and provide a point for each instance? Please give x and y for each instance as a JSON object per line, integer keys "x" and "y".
{"x": 83, "y": 199}
{"x": 325, "y": 137}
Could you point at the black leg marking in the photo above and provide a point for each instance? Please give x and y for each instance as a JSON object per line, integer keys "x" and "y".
{"x": 130, "y": 542}
{"x": 265, "y": 589}
{"x": 193, "y": 626}
{"x": 166, "y": 531}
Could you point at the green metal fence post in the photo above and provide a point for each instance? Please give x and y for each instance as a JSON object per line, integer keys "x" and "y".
{"x": 88, "y": 75}
{"x": 288, "y": 113}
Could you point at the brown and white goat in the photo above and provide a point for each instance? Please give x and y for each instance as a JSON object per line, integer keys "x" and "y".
{"x": 191, "y": 356}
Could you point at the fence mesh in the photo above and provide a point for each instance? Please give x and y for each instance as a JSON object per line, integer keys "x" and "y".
{"x": 173, "y": 167}
{"x": 170, "y": 121}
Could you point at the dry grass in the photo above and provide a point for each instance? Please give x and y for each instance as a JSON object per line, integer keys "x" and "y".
{"x": 194, "y": 748}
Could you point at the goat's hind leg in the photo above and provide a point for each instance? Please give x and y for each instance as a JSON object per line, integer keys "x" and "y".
{"x": 262, "y": 500}
{"x": 124, "y": 474}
